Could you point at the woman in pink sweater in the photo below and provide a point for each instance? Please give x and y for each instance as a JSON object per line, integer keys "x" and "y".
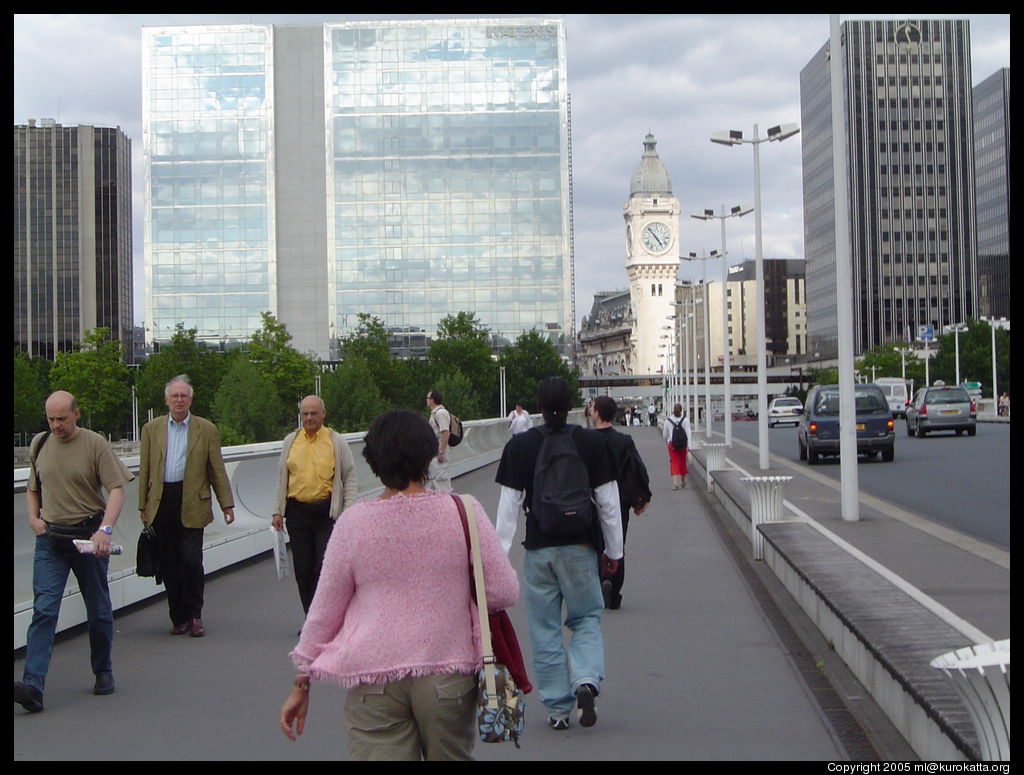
{"x": 392, "y": 620}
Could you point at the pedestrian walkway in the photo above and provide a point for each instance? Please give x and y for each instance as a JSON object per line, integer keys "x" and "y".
{"x": 695, "y": 668}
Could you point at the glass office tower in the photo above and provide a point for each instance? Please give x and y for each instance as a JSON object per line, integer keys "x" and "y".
{"x": 405, "y": 169}
{"x": 908, "y": 123}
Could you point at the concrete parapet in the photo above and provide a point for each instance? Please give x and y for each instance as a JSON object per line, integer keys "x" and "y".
{"x": 252, "y": 469}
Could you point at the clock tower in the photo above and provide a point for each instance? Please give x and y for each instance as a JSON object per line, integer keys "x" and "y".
{"x": 652, "y": 258}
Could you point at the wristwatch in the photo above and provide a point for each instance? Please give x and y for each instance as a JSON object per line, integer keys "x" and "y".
{"x": 106, "y": 529}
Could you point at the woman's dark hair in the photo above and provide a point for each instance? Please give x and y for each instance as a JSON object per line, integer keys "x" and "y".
{"x": 399, "y": 447}
{"x": 555, "y": 400}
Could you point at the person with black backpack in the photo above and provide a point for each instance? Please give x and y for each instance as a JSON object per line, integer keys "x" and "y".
{"x": 634, "y": 486}
{"x": 676, "y": 432}
{"x": 563, "y": 477}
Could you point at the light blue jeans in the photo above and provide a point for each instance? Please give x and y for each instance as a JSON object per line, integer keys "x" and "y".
{"x": 557, "y": 575}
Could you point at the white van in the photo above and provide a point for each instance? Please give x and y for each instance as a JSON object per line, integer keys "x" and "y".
{"x": 895, "y": 390}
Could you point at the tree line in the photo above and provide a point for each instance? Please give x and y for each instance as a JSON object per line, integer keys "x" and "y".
{"x": 252, "y": 391}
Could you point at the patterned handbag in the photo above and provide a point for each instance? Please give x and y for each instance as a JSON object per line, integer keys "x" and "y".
{"x": 501, "y": 712}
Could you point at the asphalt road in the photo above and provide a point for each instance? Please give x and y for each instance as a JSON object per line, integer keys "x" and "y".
{"x": 962, "y": 482}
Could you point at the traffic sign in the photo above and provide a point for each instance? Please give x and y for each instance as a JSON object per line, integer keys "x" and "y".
{"x": 926, "y": 333}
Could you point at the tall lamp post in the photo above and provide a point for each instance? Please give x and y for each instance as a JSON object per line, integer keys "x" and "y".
{"x": 994, "y": 323}
{"x": 707, "y": 215}
{"x": 956, "y": 329}
{"x": 734, "y": 137}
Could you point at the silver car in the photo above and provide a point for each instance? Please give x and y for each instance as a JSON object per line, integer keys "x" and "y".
{"x": 941, "y": 409}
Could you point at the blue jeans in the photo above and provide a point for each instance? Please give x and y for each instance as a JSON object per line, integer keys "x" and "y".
{"x": 49, "y": 577}
{"x": 555, "y": 575}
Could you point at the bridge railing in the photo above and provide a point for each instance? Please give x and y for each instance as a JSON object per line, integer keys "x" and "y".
{"x": 252, "y": 469}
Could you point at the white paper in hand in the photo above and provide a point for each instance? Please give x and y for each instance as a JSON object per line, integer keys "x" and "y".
{"x": 280, "y": 552}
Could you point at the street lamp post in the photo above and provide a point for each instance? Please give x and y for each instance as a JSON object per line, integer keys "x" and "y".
{"x": 957, "y": 329}
{"x": 707, "y": 215}
{"x": 733, "y": 137}
{"x": 993, "y": 323}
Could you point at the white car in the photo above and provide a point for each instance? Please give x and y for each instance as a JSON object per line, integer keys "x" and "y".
{"x": 784, "y": 410}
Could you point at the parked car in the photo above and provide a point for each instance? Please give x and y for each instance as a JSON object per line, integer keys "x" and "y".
{"x": 942, "y": 408}
{"x": 818, "y": 433}
{"x": 784, "y": 409}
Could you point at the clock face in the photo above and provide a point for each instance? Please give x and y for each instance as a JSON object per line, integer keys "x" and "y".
{"x": 656, "y": 237}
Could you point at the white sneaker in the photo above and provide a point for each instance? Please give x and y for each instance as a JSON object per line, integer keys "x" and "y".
{"x": 558, "y": 723}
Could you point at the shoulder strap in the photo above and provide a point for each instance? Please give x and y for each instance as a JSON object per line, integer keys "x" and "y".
{"x": 33, "y": 456}
{"x": 479, "y": 593}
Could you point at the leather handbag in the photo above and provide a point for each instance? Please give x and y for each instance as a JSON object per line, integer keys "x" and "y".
{"x": 147, "y": 556}
{"x": 501, "y": 713}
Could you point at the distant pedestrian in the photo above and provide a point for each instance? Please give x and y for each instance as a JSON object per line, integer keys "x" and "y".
{"x": 316, "y": 481}
{"x": 519, "y": 419}
{"x": 1004, "y": 405}
{"x": 439, "y": 480}
{"x": 652, "y": 414}
{"x": 675, "y": 424}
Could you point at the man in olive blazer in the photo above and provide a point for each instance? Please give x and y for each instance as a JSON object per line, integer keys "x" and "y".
{"x": 179, "y": 462}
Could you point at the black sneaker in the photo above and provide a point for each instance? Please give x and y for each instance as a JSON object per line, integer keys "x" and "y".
{"x": 104, "y": 683}
{"x": 558, "y": 723}
{"x": 585, "y": 704}
{"x": 606, "y": 592}
{"x": 30, "y": 698}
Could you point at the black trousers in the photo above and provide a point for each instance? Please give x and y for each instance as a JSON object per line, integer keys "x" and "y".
{"x": 181, "y": 557}
{"x": 309, "y": 528}
{"x": 620, "y": 575}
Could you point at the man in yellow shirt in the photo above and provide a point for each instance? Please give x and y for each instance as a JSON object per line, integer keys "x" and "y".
{"x": 316, "y": 482}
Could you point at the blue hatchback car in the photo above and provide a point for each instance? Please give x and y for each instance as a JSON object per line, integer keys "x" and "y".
{"x": 818, "y": 433}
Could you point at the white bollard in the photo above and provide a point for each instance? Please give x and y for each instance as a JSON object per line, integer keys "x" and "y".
{"x": 714, "y": 460}
{"x": 765, "y": 506}
{"x": 981, "y": 676}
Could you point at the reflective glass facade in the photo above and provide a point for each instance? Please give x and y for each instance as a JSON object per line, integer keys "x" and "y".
{"x": 209, "y": 225}
{"x": 444, "y": 183}
{"x": 908, "y": 123}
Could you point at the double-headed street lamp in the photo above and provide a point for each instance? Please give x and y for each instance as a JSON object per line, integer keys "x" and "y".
{"x": 706, "y": 327}
{"x": 734, "y": 137}
{"x": 707, "y": 215}
{"x": 956, "y": 329}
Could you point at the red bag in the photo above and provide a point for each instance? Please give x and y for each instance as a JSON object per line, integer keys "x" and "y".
{"x": 504, "y": 642}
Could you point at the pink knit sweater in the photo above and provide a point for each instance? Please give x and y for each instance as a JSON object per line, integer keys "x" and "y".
{"x": 393, "y": 598}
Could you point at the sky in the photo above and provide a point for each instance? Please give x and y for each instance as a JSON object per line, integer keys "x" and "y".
{"x": 679, "y": 76}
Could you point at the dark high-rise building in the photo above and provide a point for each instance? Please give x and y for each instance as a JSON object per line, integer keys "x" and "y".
{"x": 992, "y": 189}
{"x": 908, "y": 123}
{"x": 72, "y": 235}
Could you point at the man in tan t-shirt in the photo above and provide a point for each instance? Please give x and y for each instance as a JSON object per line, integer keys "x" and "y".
{"x": 70, "y": 468}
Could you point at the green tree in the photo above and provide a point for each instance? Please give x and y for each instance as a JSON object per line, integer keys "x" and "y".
{"x": 458, "y": 395}
{"x": 245, "y": 405}
{"x": 95, "y": 374}
{"x": 370, "y": 344}
{"x": 886, "y": 361}
{"x": 31, "y": 381}
{"x": 532, "y": 358}
{"x": 351, "y": 396}
{"x": 184, "y": 354}
{"x": 975, "y": 357}
{"x": 292, "y": 373}
{"x": 462, "y": 346}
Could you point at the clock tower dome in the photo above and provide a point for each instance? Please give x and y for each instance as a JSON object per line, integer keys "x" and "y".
{"x": 652, "y": 257}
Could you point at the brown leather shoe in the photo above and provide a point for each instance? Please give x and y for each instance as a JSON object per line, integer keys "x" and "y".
{"x": 179, "y": 629}
{"x": 195, "y": 628}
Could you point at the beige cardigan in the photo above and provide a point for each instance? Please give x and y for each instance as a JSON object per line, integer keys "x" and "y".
{"x": 345, "y": 490}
